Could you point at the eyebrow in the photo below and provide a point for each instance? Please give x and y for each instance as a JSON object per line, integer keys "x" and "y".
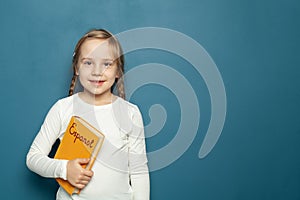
{"x": 104, "y": 59}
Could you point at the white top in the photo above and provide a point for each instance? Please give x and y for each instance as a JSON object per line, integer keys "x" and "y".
{"x": 122, "y": 159}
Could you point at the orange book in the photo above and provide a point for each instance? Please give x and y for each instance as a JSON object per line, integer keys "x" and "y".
{"x": 81, "y": 140}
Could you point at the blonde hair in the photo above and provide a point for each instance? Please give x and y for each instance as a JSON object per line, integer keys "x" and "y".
{"x": 117, "y": 53}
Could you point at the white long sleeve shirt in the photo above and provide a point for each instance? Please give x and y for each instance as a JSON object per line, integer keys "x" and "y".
{"x": 120, "y": 170}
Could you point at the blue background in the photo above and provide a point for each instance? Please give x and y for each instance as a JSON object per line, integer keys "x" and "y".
{"x": 255, "y": 45}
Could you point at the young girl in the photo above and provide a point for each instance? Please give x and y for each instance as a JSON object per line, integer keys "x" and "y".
{"x": 120, "y": 170}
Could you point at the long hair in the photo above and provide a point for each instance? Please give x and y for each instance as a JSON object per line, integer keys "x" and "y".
{"x": 117, "y": 53}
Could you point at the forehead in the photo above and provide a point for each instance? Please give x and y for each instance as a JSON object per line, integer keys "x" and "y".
{"x": 97, "y": 49}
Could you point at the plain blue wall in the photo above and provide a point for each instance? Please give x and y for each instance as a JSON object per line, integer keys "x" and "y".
{"x": 255, "y": 45}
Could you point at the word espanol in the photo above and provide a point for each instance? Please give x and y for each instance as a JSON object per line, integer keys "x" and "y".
{"x": 81, "y": 138}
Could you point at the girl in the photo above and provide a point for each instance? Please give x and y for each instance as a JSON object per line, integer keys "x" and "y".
{"x": 120, "y": 170}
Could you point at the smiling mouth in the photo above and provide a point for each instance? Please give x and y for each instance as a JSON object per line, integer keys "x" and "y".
{"x": 97, "y": 83}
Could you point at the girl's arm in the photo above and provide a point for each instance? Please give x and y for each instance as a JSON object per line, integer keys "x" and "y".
{"x": 139, "y": 173}
{"x": 37, "y": 157}
{"x": 39, "y": 162}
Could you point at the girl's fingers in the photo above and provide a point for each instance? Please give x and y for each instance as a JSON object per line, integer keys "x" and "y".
{"x": 88, "y": 173}
{"x": 80, "y": 186}
{"x": 85, "y": 178}
{"x": 76, "y": 175}
{"x": 82, "y": 183}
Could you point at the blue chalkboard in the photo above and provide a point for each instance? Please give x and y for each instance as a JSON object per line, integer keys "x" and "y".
{"x": 248, "y": 83}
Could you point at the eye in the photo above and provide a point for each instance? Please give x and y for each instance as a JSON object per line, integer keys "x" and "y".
{"x": 87, "y": 63}
{"x": 107, "y": 64}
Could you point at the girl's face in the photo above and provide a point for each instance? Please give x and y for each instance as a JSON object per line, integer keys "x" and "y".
{"x": 97, "y": 68}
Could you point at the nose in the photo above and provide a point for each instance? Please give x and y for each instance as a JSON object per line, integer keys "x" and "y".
{"x": 98, "y": 70}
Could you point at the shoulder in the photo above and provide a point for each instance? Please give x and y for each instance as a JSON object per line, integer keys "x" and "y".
{"x": 132, "y": 110}
{"x": 57, "y": 109}
{"x": 66, "y": 100}
{"x": 128, "y": 105}
{"x": 62, "y": 104}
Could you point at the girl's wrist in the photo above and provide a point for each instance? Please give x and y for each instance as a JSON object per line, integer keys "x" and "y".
{"x": 63, "y": 169}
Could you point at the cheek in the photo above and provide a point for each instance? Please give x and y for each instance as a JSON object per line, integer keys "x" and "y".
{"x": 81, "y": 80}
{"x": 83, "y": 72}
{"x": 113, "y": 74}
{"x": 82, "y": 76}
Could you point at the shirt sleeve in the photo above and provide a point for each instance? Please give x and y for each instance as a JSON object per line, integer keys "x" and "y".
{"x": 37, "y": 158}
{"x": 138, "y": 167}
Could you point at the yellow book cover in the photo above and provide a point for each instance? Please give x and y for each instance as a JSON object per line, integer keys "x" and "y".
{"x": 81, "y": 140}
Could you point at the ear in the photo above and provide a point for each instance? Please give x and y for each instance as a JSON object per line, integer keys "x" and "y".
{"x": 118, "y": 74}
{"x": 76, "y": 71}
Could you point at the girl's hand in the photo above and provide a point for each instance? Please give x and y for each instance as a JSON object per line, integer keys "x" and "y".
{"x": 76, "y": 175}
